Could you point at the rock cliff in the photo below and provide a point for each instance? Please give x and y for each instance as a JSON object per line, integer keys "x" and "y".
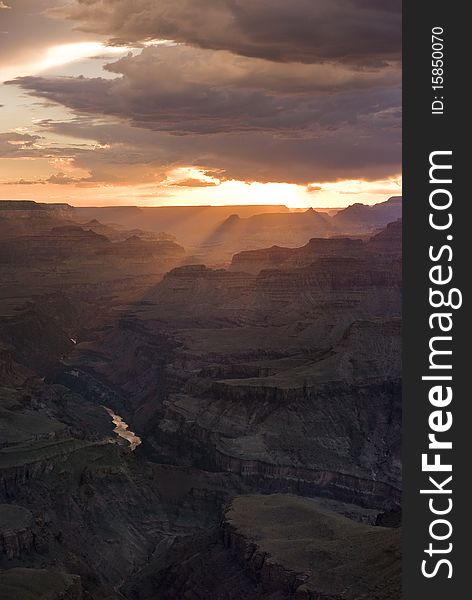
{"x": 282, "y": 376}
{"x": 279, "y": 547}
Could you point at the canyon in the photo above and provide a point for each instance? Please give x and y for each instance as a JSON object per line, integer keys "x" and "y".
{"x": 255, "y": 354}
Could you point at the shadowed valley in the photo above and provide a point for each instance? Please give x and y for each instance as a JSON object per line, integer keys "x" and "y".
{"x": 250, "y": 355}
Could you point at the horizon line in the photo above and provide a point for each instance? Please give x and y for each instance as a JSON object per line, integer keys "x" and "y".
{"x": 275, "y": 205}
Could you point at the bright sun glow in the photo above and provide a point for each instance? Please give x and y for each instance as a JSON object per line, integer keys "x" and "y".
{"x": 57, "y": 56}
{"x": 264, "y": 193}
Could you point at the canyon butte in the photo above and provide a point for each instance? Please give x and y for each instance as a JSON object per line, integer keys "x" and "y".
{"x": 253, "y": 351}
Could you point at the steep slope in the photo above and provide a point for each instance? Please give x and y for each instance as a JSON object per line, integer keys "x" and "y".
{"x": 279, "y": 547}
{"x": 297, "y": 544}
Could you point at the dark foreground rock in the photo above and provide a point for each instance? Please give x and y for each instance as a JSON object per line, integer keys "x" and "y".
{"x": 39, "y": 584}
{"x": 279, "y": 548}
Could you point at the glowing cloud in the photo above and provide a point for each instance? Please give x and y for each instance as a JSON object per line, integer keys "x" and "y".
{"x": 57, "y": 56}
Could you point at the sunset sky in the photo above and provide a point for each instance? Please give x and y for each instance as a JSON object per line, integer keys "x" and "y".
{"x": 167, "y": 102}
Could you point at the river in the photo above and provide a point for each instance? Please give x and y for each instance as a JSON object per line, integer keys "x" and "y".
{"x": 122, "y": 430}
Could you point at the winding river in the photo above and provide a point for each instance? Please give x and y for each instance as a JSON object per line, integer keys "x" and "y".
{"x": 122, "y": 430}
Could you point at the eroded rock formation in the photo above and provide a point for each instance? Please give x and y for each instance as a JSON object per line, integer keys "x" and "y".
{"x": 279, "y": 374}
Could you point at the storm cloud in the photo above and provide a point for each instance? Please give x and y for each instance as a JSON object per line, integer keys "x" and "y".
{"x": 357, "y": 32}
{"x": 262, "y": 90}
{"x": 130, "y": 155}
{"x": 185, "y": 91}
{"x": 216, "y": 108}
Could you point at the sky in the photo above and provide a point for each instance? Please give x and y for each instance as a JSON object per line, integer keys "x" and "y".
{"x": 186, "y": 102}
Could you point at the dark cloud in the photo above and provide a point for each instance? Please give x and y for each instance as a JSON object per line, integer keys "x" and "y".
{"x": 26, "y": 145}
{"x": 178, "y": 65}
{"x": 13, "y": 144}
{"x": 254, "y": 119}
{"x": 130, "y": 155}
{"x": 358, "y": 32}
{"x": 190, "y": 91}
{"x": 259, "y": 90}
